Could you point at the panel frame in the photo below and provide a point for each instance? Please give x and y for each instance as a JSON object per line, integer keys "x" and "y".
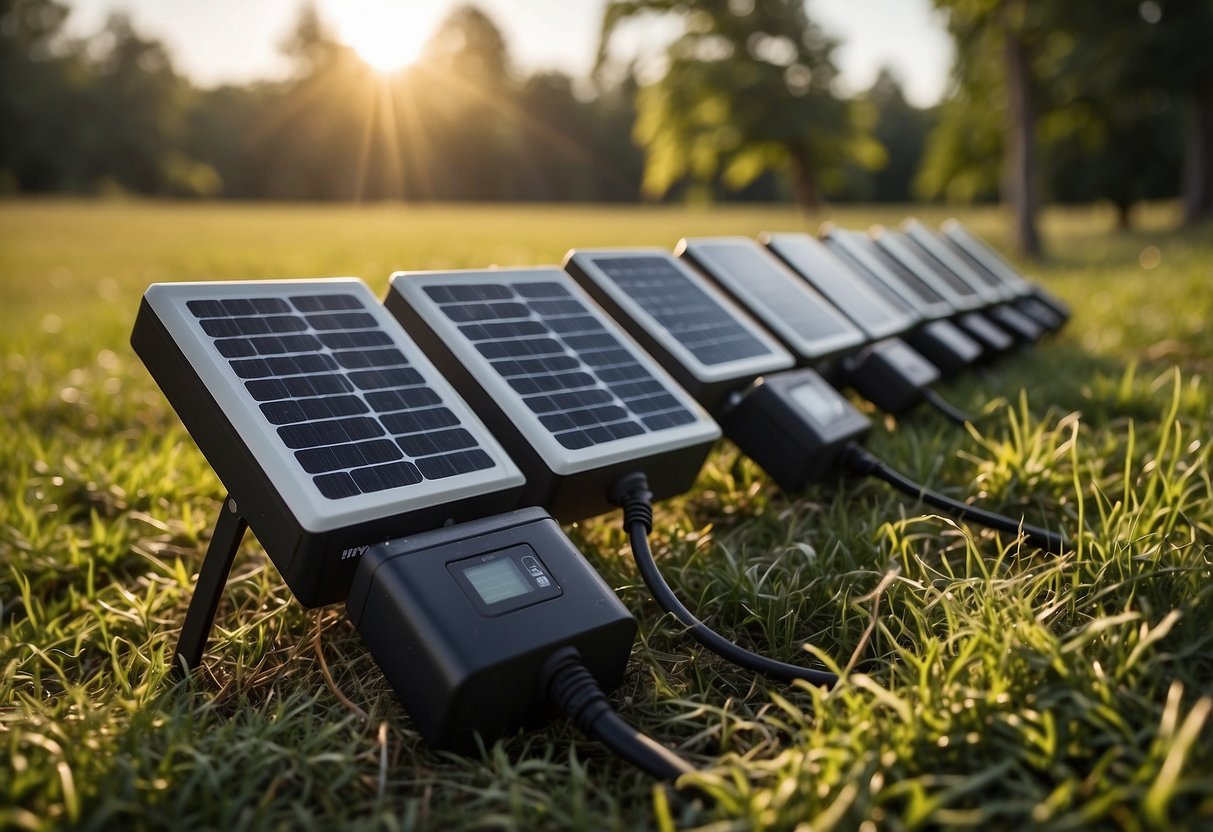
{"x": 856, "y": 243}
{"x": 895, "y": 321}
{"x": 640, "y": 322}
{"x": 806, "y": 350}
{"x": 314, "y": 512}
{"x": 409, "y": 288}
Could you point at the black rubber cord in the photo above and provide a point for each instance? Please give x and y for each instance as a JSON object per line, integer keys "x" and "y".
{"x": 948, "y": 410}
{"x": 861, "y": 461}
{"x": 574, "y": 690}
{"x": 633, "y": 495}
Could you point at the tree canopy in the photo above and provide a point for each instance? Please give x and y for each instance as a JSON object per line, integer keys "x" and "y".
{"x": 1050, "y": 100}
{"x": 748, "y": 88}
{"x": 1109, "y": 100}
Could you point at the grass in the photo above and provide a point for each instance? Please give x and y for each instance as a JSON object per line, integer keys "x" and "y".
{"x": 987, "y": 685}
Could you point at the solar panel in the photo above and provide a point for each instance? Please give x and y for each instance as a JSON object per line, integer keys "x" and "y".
{"x": 877, "y": 315}
{"x": 796, "y": 312}
{"x": 329, "y": 427}
{"x": 571, "y": 396}
{"x": 700, "y": 336}
{"x": 1030, "y": 298}
{"x": 983, "y": 258}
{"x": 853, "y": 249}
{"x": 866, "y": 258}
{"x": 926, "y": 279}
{"x": 946, "y": 262}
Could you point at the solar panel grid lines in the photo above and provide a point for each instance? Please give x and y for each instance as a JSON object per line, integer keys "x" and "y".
{"x": 946, "y": 262}
{"x": 567, "y": 390}
{"x": 700, "y": 336}
{"x": 807, "y": 324}
{"x": 875, "y": 314}
{"x": 342, "y": 411}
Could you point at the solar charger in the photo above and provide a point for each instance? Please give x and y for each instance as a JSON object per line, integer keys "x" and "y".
{"x": 880, "y": 366}
{"x": 574, "y": 400}
{"x": 463, "y": 621}
{"x": 356, "y": 464}
{"x": 1029, "y": 298}
{"x": 595, "y": 421}
{"x": 934, "y": 336}
{"x": 329, "y": 428}
{"x": 907, "y": 260}
{"x": 994, "y": 293}
{"x": 793, "y": 423}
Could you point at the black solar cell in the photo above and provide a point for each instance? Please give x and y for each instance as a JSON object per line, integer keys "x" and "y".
{"x": 858, "y": 300}
{"x": 570, "y": 371}
{"x": 320, "y": 384}
{"x": 696, "y": 320}
{"x": 793, "y": 309}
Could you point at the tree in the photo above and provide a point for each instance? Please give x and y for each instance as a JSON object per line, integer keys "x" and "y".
{"x": 1114, "y": 124}
{"x": 997, "y": 50}
{"x": 38, "y": 97}
{"x": 901, "y": 128}
{"x": 141, "y": 150}
{"x": 1094, "y": 89}
{"x": 1179, "y": 56}
{"x": 748, "y": 89}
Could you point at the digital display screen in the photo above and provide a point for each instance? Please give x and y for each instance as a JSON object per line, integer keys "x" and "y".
{"x": 497, "y": 580}
{"x": 823, "y": 405}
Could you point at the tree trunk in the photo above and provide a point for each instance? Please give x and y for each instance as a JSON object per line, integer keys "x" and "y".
{"x": 1197, "y": 185}
{"x": 1019, "y": 176}
{"x": 804, "y": 182}
{"x": 1124, "y": 215}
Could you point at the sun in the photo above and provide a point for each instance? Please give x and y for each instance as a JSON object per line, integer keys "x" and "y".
{"x": 387, "y": 35}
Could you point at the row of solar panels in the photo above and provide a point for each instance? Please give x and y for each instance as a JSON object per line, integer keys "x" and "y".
{"x": 337, "y": 422}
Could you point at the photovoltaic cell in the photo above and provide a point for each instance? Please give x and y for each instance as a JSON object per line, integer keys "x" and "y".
{"x": 328, "y": 425}
{"x": 793, "y": 309}
{"x": 947, "y": 265}
{"x": 698, "y": 321}
{"x": 341, "y": 396}
{"x": 867, "y": 306}
{"x": 575, "y": 376}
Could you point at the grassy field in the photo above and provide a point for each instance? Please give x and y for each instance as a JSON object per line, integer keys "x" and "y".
{"x": 986, "y": 685}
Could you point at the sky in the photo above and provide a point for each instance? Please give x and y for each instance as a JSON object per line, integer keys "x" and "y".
{"x": 233, "y": 41}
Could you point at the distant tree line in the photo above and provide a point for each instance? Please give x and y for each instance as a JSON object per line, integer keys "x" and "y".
{"x": 1050, "y": 99}
{"x": 1076, "y": 100}
{"x": 110, "y": 114}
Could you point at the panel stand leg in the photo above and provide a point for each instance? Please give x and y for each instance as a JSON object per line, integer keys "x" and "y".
{"x": 216, "y": 566}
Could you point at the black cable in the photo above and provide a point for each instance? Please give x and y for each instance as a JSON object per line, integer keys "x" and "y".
{"x": 948, "y": 410}
{"x": 633, "y": 495}
{"x": 860, "y": 461}
{"x": 574, "y": 690}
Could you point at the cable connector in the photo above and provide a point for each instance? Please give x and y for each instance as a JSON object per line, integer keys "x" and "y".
{"x": 631, "y": 493}
{"x": 573, "y": 689}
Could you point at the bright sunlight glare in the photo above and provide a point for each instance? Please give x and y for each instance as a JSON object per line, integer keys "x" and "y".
{"x": 387, "y": 34}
